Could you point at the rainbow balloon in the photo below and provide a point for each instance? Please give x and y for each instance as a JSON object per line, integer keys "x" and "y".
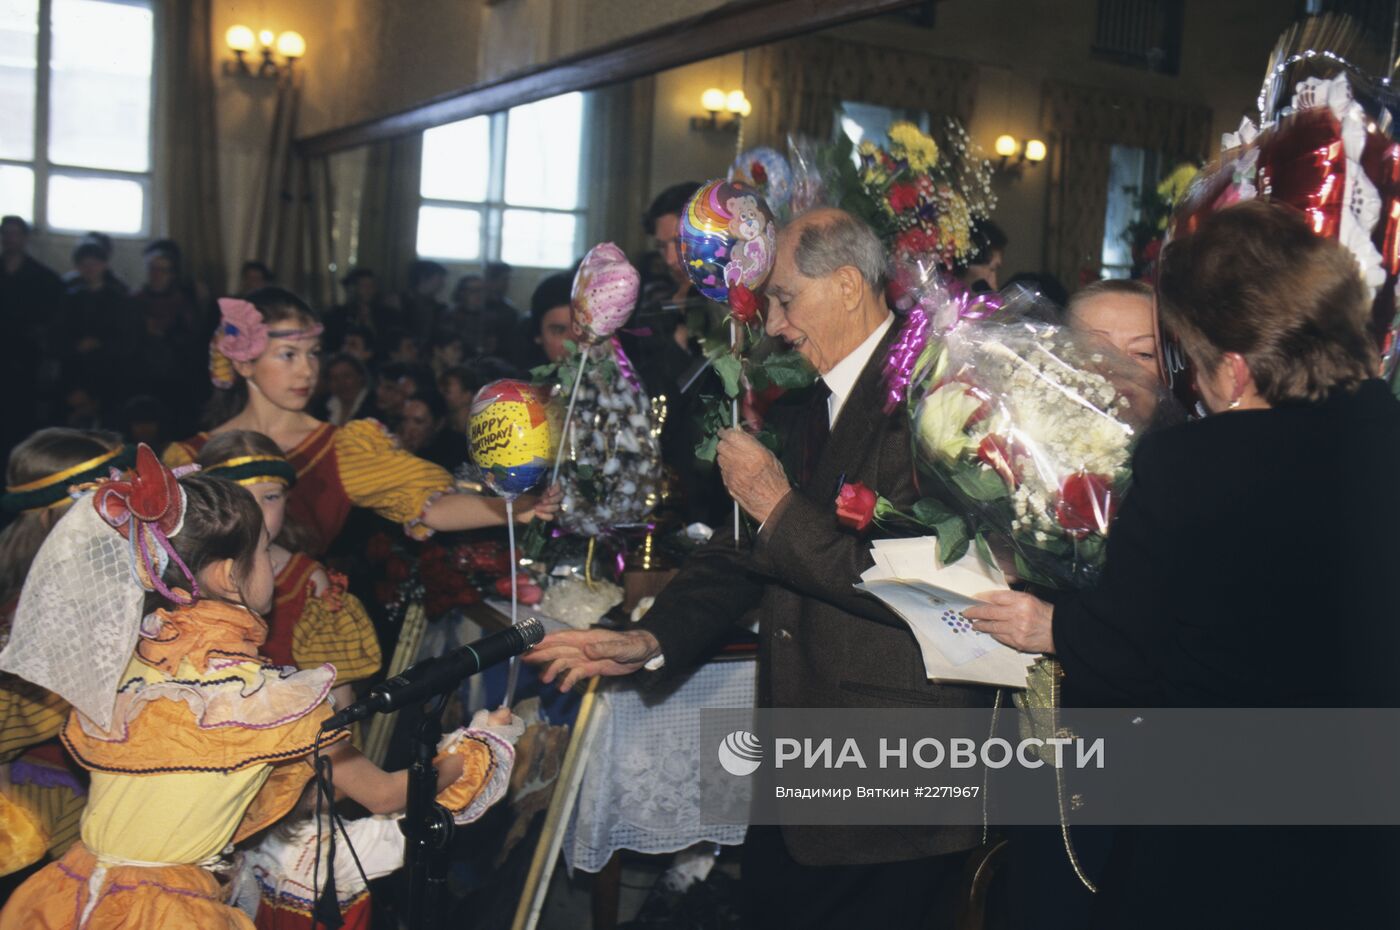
{"x": 728, "y": 237}
{"x": 514, "y": 434}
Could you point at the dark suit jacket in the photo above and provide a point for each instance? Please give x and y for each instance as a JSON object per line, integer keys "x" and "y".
{"x": 821, "y": 642}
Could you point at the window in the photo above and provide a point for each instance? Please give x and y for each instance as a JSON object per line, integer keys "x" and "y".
{"x": 75, "y": 113}
{"x": 506, "y": 186}
{"x": 866, "y": 122}
{"x": 1139, "y": 33}
{"x": 1130, "y": 172}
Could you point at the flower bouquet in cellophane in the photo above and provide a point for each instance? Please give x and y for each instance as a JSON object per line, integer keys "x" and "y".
{"x": 1030, "y": 428}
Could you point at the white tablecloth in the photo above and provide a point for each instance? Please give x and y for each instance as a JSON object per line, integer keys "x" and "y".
{"x": 641, "y": 789}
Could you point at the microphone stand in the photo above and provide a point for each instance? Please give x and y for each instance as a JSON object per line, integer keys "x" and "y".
{"x": 427, "y": 826}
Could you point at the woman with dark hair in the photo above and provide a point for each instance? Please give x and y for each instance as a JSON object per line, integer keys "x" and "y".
{"x": 1209, "y": 595}
{"x": 265, "y": 363}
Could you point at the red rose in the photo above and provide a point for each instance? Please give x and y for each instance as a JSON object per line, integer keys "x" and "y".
{"x": 997, "y": 453}
{"x": 466, "y": 597}
{"x": 531, "y": 594}
{"x": 378, "y": 548}
{"x": 903, "y": 197}
{"x": 522, "y": 580}
{"x": 396, "y": 569}
{"x": 758, "y": 173}
{"x": 1086, "y": 505}
{"x": 743, "y": 304}
{"x": 855, "y": 506}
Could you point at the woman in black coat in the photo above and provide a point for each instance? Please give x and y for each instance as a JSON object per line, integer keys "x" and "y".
{"x": 1253, "y": 564}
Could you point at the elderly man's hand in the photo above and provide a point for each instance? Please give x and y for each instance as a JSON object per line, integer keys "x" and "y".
{"x": 752, "y": 474}
{"x": 1021, "y": 621}
{"x": 581, "y": 654}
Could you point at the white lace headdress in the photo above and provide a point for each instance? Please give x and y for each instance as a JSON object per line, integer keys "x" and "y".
{"x": 79, "y": 613}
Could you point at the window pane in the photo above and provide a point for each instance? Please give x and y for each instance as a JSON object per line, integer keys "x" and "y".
{"x": 452, "y": 233}
{"x": 543, "y": 145}
{"x": 17, "y": 192}
{"x": 538, "y": 240}
{"x": 19, "y": 35}
{"x": 109, "y": 204}
{"x": 457, "y": 160}
{"x": 100, "y": 98}
{"x": 1125, "y": 176}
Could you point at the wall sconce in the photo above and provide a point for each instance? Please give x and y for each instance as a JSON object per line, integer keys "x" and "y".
{"x": 242, "y": 41}
{"x": 715, "y": 102}
{"x": 1007, "y": 147}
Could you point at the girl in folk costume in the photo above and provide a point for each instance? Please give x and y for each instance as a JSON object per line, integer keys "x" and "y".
{"x": 143, "y": 609}
{"x": 265, "y": 360}
{"x": 314, "y": 620}
{"x": 41, "y": 792}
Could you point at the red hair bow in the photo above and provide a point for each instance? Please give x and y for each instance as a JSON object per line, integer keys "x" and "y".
{"x": 148, "y": 507}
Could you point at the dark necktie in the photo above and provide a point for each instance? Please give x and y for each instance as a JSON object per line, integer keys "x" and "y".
{"x": 818, "y": 427}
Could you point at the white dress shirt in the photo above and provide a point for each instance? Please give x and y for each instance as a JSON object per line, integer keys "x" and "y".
{"x": 842, "y": 378}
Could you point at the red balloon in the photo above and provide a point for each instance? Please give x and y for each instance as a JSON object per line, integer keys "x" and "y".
{"x": 1302, "y": 164}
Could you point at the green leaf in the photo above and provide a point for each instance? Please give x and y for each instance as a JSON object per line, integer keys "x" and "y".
{"x": 770, "y": 440}
{"x": 788, "y": 370}
{"x": 980, "y": 483}
{"x": 728, "y": 368}
{"x": 952, "y": 540}
{"x": 706, "y": 448}
{"x": 984, "y": 551}
{"x": 930, "y": 512}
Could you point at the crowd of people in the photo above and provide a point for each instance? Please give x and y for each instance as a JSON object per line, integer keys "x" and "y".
{"x": 299, "y": 420}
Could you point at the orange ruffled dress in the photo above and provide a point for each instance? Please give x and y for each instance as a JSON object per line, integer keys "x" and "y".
{"x": 359, "y": 464}
{"x": 208, "y": 745}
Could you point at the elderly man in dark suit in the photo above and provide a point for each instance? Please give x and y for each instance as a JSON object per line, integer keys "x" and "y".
{"x": 822, "y": 644}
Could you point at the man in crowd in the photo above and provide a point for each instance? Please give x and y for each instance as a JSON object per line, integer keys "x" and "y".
{"x": 821, "y": 643}
{"x": 421, "y": 430}
{"x": 29, "y": 297}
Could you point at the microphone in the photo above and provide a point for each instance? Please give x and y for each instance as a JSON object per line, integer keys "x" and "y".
{"x": 432, "y": 677}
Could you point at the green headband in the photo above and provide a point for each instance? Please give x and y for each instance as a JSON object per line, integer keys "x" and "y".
{"x": 52, "y": 490}
{"x": 249, "y": 470}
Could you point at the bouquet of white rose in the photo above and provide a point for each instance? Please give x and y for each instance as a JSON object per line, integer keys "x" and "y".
{"x": 1030, "y": 427}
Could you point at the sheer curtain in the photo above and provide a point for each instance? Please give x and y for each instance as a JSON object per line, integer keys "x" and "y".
{"x": 388, "y": 225}
{"x": 618, "y": 166}
{"x": 1083, "y": 124}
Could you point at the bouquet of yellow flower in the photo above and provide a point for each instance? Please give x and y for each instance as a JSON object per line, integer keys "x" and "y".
{"x": 920, "y": 196}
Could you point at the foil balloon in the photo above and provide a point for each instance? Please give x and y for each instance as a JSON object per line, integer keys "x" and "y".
{"x": 767, "y": 172}
{"x": 1327, "y": 157}
{"x": 604, "y": 293}
{"x": 513, "y": 436}
{"x": 728, "y": 237}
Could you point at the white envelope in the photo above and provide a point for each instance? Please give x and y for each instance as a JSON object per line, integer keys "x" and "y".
{"x": 909, "y": 578}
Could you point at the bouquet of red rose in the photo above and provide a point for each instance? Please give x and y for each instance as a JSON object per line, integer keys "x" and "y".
{"x": 1030, "y": 428}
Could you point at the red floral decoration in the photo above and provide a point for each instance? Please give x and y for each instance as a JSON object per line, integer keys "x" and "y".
{"x": 855, "y": 506}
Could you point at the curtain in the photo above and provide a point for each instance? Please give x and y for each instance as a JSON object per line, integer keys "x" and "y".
{"x": 619, "y": 163}
{"x": 797, "y": 85}
{"x": 290, "y": 226}
{"x": 191, "y": 143}
{"x": 386, "y": 240}
{"x": 1083, "y": 124}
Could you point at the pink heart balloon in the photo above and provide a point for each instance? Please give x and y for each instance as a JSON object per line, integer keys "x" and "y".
{"x": 604, "y": 293}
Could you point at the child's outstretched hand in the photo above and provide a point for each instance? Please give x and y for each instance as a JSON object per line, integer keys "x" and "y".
{"x": 544, "y": 506}
{"x": 499, "y": 721}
